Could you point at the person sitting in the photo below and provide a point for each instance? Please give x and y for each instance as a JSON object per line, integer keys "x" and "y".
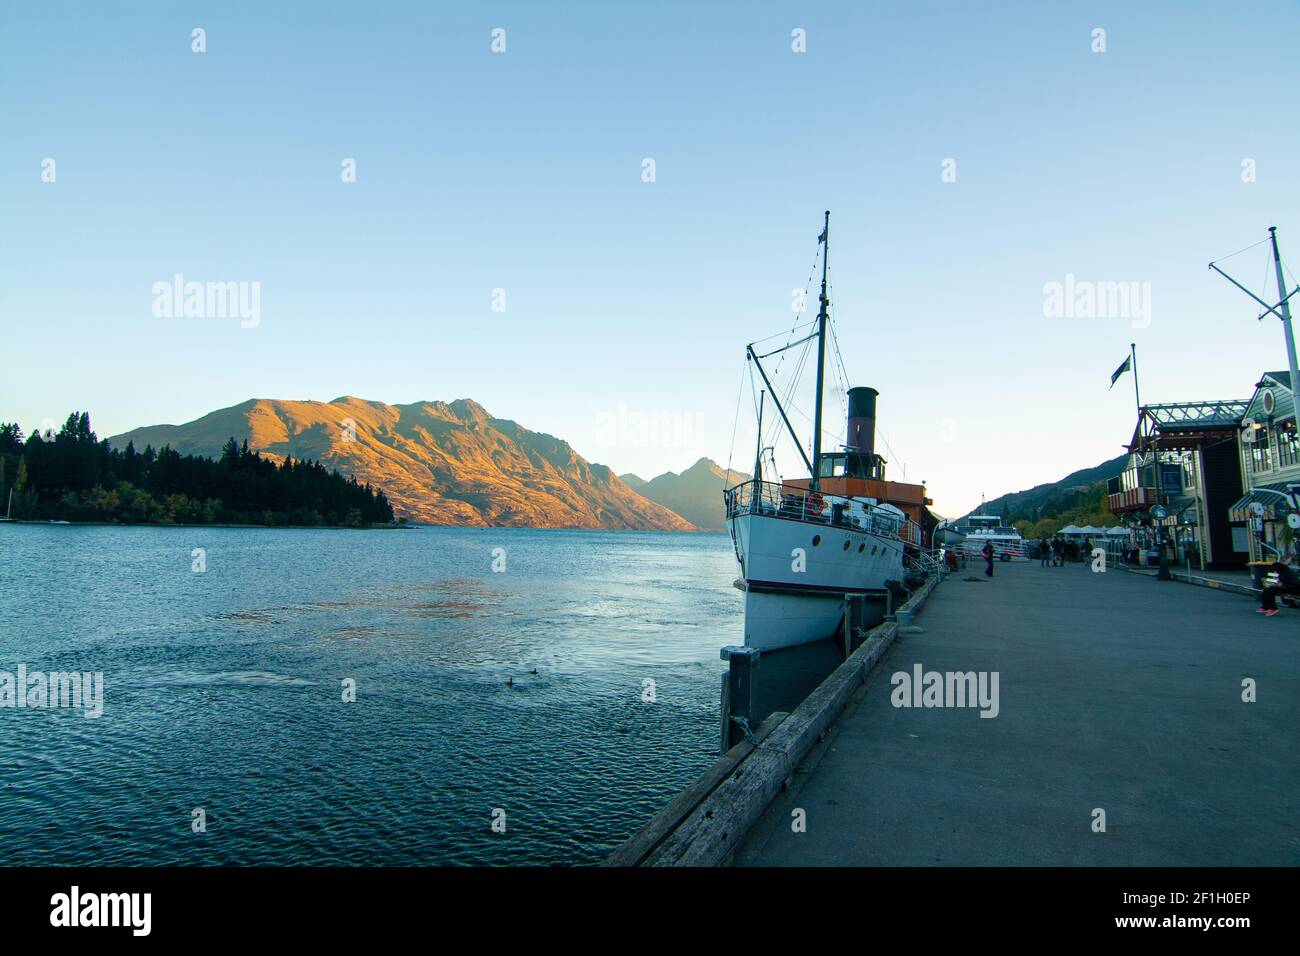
{"x": 1287, "y": 583}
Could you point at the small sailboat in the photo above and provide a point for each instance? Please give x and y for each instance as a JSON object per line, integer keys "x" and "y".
{"x": 9, "y": 509}
{"x": 805, "y": 545}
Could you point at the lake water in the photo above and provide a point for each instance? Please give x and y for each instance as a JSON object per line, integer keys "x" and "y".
{"x": 223, "y": 691}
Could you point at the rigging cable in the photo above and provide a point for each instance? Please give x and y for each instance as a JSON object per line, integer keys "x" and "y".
{"x": 835, "y": 339}
{"x": 735, "y": 422}
{"x": 788, "y": 397}
{"x": 1239, "y": 251}
{"x": 807, "y": 285}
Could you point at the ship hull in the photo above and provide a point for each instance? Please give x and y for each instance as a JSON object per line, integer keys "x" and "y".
{"x": 797, "y": 575}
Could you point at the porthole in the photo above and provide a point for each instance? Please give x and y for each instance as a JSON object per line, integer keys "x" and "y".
{"x": 873, "y": 549}
{"x": 847, "y": 542}
{"x": 862, "y": 547}
{"x": 817, "y": 539}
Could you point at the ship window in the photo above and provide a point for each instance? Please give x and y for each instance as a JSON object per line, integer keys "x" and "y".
{"x": 847, "y": 542}
{"x": 817, "y": 539}
{"x": 831, "y": 465}
{"x": 862, "y": 547}
{"x": 873, "y": 549}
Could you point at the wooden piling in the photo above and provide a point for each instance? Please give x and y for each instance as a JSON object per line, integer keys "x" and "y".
{"x": 740, "y": 704}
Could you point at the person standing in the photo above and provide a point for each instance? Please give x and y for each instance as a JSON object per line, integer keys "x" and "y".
{"x": 987, "y": 551}
{"x": 1058, "y": 551}
{"x": 1045, "y": 553}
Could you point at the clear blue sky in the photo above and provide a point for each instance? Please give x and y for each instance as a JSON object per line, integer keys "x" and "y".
{"x": 522, "y": 171}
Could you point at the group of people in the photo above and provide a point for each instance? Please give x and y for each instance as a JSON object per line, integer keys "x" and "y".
{"x": 1052, "y": 552}
{"x": 1055, "y": 551}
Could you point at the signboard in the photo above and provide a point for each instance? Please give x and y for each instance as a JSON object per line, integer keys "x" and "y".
{"x": 1171, "y": 479}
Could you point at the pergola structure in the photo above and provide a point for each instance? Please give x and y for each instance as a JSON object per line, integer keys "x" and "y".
{"x": 1187, "y": 425}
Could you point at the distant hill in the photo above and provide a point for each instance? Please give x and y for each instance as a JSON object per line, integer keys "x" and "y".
{"x": 1075, "y": 494}
{"x": 695, "y": 494}
{"x": 451, "y": 464}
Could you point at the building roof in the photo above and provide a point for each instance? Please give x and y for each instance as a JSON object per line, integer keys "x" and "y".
{"x": 1278, "y": 385}
{"x": 1272, "y": 498}
{"x": 1185, "y": 416}
{"x": 1173, "y": 424}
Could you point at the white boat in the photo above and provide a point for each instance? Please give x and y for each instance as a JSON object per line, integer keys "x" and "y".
{"x": 977, "y": 529}
{"x": 806, "y": 545}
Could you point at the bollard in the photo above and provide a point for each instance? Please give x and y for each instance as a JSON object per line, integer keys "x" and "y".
{"x": 740, "y": 700}
{"x": 854, "y": 623}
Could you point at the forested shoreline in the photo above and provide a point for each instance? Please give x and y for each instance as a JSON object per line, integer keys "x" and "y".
{"x": 75, "y": 476}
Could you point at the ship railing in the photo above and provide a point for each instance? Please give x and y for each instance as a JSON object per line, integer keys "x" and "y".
{"x": 911, "y": 533}
{"x": 771, "y": 498}
{"x": 776, "y": 500}
{"x": 926, "y": 562}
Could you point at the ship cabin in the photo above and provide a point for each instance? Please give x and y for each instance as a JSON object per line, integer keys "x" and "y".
{"x": 858, "y": 473}
{"x": 851, "y": 489}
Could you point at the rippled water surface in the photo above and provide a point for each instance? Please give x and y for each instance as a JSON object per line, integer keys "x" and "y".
{"x": 223, "y": 691}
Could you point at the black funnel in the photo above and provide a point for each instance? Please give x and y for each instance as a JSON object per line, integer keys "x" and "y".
{"x": 861, "y": 436}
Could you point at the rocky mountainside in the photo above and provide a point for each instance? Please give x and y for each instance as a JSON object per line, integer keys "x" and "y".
{"x": 443, "y": 463}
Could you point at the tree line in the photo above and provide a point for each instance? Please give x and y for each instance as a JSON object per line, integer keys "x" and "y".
{"x": 1079, "y": 506}
{"x": 75, "y": 476}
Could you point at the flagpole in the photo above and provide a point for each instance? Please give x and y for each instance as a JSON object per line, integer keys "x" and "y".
{"x": 1142, "y": 443}
{"x": 1133, "y": 354}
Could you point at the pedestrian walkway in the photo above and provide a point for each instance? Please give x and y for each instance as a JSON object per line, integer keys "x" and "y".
{"x": 1116, "y": 692}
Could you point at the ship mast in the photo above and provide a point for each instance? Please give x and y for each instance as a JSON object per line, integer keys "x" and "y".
{"x": 825, "y": 239}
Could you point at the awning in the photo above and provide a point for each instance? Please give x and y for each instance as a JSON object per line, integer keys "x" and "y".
{"x": 1272, "y": 497}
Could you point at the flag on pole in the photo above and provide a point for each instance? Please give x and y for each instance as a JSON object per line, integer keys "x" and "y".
{"x": 1128, "y": 364}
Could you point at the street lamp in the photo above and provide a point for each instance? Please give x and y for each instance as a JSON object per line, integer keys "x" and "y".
{"x": 1159, "y": 513}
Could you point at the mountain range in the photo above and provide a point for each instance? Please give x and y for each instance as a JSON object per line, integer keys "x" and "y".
{"x": 441, "y": 463}
{"x": 695, "y": 494}
{"x": 456, "y": 464}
